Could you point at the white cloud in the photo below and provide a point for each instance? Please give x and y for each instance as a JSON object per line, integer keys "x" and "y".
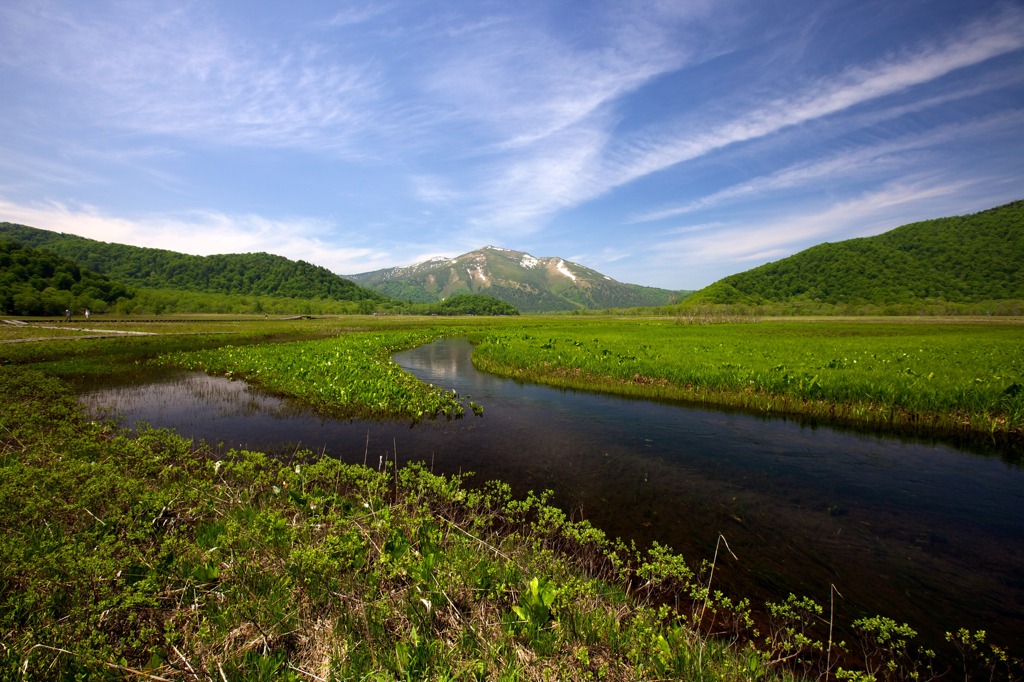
{"x": 755, "y": 242}
{"x": 358, "y": 14}
{"x": 523, "y": 83}
{"x": 438, "y": 128}
{"x": 872, "y": 161}
{"x": 434, "y": 189}
{"x": 580, "y": 159}
{"x": 540, "y": 108}
{"x": 662, "y": 148}
{"x": 205, "y": 233}
{"x": 521, "y": 192}
{"x": 181, "y": 72}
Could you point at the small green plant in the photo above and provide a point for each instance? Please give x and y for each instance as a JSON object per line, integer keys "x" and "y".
{"x": 350, "y": 375}
{"x": 979, "y": 659}
{"x": 792, "y": 634}
{"x": 886, "y": 648}
{"x": 534, "y": 610}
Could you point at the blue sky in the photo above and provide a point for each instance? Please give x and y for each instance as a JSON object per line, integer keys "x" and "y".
{"x": 662, "y": 143}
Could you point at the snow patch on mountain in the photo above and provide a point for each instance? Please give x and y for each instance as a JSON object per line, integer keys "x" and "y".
{"x": 477, "y": 272}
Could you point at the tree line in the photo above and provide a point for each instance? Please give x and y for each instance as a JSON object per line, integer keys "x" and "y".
{"x": 34, "y": 282}
{"x": 247, "y": 274}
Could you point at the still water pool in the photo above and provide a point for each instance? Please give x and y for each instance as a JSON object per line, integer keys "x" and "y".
{"x": 920, "y": 531}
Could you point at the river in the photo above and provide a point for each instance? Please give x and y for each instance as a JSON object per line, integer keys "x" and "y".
{"x": 917, "y": 530}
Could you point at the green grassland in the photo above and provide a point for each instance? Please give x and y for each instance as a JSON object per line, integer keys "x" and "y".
{"x": 934, "y": 375}
{"x": 931, "y": 376}
{"x": 349, "y": 376}
{"x": 137, "y": 555}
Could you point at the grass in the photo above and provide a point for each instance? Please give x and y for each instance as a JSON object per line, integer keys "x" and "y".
{"x": 139, "y": 556}
{"x": 939, "y": 377}
{"x": 350, "y": 375}
{"x": 948, "y": 375}
{"x": 133, "y": 556}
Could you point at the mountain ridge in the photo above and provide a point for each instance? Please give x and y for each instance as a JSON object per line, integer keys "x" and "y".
{"x": 963, "y": 259}
{"x": 530, "y": 283}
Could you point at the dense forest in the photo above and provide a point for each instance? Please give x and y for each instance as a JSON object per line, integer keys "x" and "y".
{"x": 35, "y": 282}
{"x": 250, "y": 274}
{"x": 472, "y": 304}
{"x": 962, "y": 260}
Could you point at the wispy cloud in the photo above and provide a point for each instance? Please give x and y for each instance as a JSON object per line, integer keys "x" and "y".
{"x": 355, "y": 14}
{"x": 207, "y": 232}
{"x": 179, "y": 72}
{"x": 780, "y": 235}
{"x": 543, "y": 109}
{"x": 583, "y": 160}
{"x": 524, "y": 84}
{"x": 431, "y": 128}
{"x": 660, "y": 149}
{"x": 872, "y": 161}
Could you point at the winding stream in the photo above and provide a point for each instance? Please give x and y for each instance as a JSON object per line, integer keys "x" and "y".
{"x": 916, "y": 530}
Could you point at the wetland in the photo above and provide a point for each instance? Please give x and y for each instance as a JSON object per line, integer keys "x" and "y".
{"x": 919, "y": 529}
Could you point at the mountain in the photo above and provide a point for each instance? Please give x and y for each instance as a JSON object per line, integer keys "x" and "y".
{"x": 249, "y": 274}
{"x": 528, "y": 283}
{"x": 964, "y": 259}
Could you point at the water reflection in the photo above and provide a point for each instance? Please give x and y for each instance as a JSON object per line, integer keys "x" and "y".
{"x": 916, "y": 530}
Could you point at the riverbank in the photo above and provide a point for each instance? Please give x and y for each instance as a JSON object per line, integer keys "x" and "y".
{"x": 228, "y": 557}
{"x": 137, "y": 555}
{"x": 132, "y": 555}
{"x": 942, "y": 377}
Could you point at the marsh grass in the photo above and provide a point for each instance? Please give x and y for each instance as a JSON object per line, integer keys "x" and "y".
{"x": 131, "y": 555}
{"x": 134, "y": 555}
{"x": 938, "y": 377}
{"x": 928, "y": 376}
{"x": 351, "y": 375}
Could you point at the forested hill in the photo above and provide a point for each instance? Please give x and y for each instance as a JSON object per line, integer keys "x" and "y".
{"x": 965, "y": 259}
{"x": 251, "y": 274}
{"x": 35, "y": 282}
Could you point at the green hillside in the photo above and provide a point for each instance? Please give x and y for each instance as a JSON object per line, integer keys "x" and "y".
{"x": 252, "y": 274}
{"x": 964, "y": 259}
{"x": 34, "y": 282}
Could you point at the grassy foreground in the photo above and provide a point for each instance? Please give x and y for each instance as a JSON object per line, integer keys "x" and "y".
{"x": 133, "y": 556}
{"x": 136, "y": 556}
